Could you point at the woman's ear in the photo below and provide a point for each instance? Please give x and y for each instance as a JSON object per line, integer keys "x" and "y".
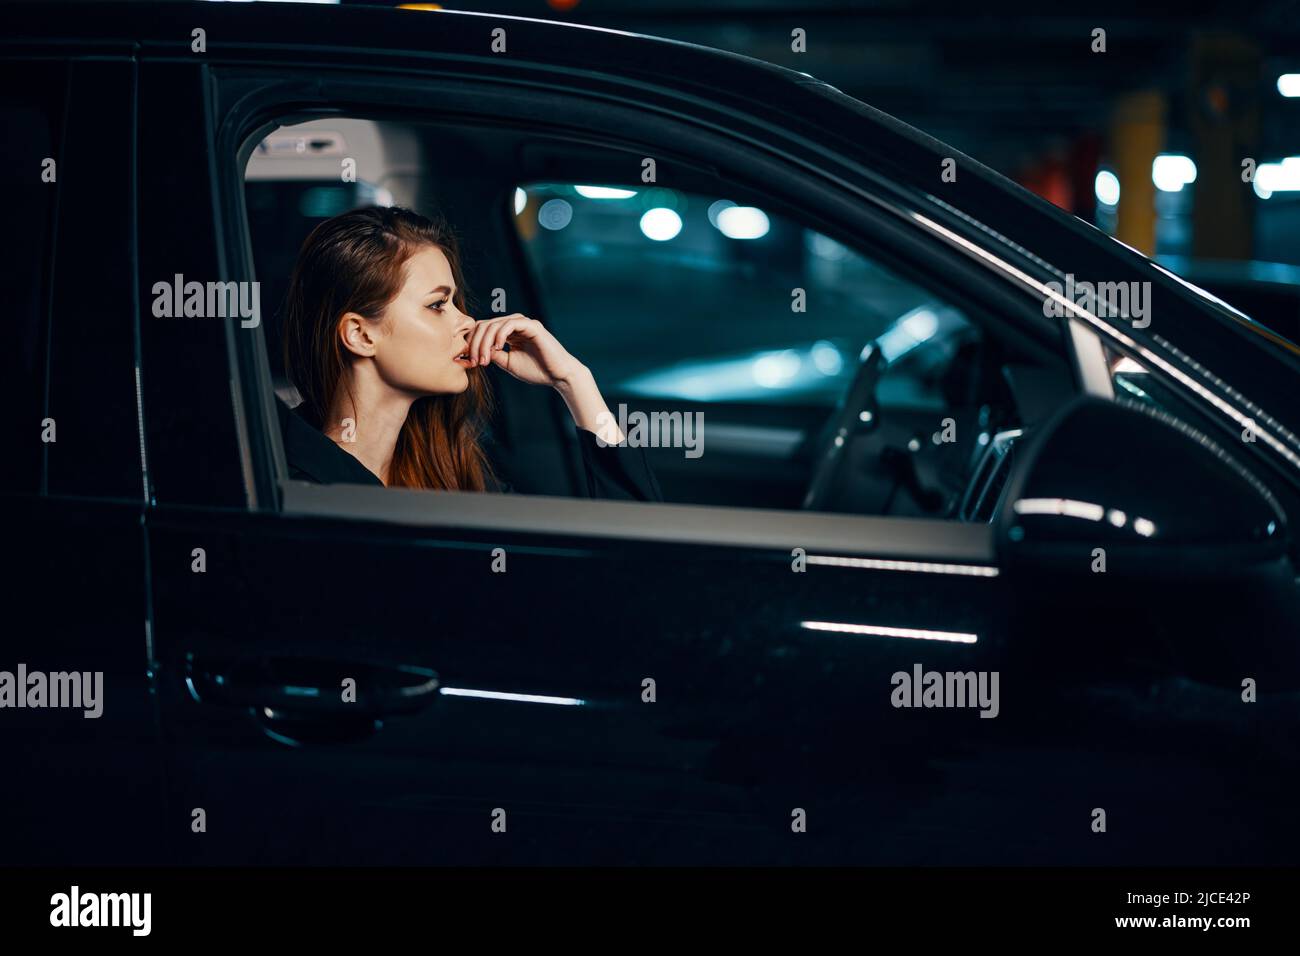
{"x": 355, "y": 332}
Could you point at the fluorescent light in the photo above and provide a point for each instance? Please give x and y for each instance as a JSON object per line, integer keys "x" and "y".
{"x": 521, "y": 200}
{"x": 1288, "y": 84}
{"x": 1106, "y": 186}
{"x": 604, "y": 192}
{"x": 875, "y": 630}
{"x": 1172, "y": 171}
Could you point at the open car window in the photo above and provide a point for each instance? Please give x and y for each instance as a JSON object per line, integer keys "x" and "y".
{"x": 734, "y": 315}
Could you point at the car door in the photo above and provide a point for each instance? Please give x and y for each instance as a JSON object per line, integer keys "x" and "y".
{"x": 78, "y": 728}
{"x": 367, "y": 675}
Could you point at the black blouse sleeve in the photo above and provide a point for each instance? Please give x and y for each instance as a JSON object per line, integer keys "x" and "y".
{"x": 617, "y": 471}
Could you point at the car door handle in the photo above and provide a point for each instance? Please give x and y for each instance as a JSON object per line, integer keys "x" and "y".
{"x": 300, "y": 700}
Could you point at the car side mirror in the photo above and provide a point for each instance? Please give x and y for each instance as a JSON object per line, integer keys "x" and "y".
{"x": 1156, "y": 496}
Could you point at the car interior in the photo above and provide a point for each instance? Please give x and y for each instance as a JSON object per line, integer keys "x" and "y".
{"x": 830, "y": 378}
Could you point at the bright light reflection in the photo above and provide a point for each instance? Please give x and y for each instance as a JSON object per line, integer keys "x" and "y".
{"x": 502, "y": 695}
{"x": 875, "y": 630}
{"x": 1059, "y": 506}
{"x": 924, "y": 567}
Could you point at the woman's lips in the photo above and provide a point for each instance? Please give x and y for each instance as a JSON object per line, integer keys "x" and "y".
{"x": 463, "y": 361}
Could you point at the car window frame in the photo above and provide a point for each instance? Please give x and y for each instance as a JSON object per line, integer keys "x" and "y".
{"x": 264, "y": 102}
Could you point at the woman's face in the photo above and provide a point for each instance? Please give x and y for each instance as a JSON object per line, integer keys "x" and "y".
{"x": 417, "y": 344}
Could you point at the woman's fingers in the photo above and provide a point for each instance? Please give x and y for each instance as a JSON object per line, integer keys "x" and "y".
{"x": 490, "y": 335}
{"x": 508, "y": 328}
{"x": 476, "y": 337}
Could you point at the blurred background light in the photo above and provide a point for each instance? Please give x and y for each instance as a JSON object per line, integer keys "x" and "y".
{"x": 717, "y": 207}
{"x": 1172, "y": 171}
{"x": 1106, "y": 187}
{"x": 743, "y": 222}
{"x": 555, "y": 214}
{"x": 661, "y": 224}
{"x": 776, "y": 369}
{"x": 1277, "y": 177}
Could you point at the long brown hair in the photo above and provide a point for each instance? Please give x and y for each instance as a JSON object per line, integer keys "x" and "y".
{"x": 355, "y": 263}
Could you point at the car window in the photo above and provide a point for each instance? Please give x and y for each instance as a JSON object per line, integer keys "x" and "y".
{"x": 31, "y": 109}
{"x": 294, "y": 181}
{"x": 682, "y": 299}
{"x": 744, "y": 321}
{"x": 682, "y": 296}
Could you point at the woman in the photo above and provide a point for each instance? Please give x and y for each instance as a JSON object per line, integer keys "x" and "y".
{"x": 392, "y": 372}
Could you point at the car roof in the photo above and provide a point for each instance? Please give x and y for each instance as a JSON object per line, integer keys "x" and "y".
{"x": 385, "y": 30}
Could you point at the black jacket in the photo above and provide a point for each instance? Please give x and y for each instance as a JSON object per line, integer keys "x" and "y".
{"x": 610, "y": 471}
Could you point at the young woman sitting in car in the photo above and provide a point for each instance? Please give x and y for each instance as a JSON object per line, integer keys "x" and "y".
{"x": 392, "y": 372}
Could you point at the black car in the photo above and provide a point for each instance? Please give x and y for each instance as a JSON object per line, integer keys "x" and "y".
{"x": 1268, "y": 292}
{"x": 970, "y": 569}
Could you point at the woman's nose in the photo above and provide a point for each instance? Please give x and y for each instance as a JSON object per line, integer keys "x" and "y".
{"x": 465, "y": 325}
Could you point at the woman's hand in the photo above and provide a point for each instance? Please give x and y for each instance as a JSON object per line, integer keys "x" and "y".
{"x": 537, "y": 357}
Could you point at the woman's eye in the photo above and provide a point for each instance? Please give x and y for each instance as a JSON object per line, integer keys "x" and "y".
{"x": 437, "y": 306}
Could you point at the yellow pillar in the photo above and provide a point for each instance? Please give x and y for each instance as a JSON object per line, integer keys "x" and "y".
{"x": 1137, "y": 134}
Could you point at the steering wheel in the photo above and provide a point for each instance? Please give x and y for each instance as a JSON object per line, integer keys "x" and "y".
{"x": 857, "y": 411}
